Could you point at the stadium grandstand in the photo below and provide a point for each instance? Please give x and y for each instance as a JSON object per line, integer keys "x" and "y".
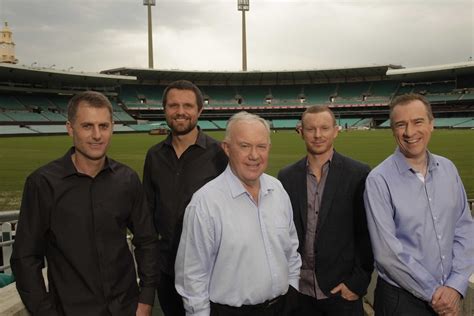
{"x": 33, "y": 101}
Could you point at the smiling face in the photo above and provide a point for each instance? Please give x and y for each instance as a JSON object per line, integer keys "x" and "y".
{"x": 181, "y": 111}
{"x": 412, "y": 128}
{"x": 318, "y": 132}
{"x": 248, "y": 147}
{"x": 91, "y": 131}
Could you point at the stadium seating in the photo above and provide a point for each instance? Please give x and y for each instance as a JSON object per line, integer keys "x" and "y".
{"x": 222, "y": 124}
{"x": 254, "y": 95}
{"x": 450, "y": 122}
{"x": 35, "y": 102}
{"x": 207, "y": 125}
{"x": 26, "y": 116}
{"x": 15, "y": 130}
{"x": 48, "y": 129}
{"x": 284, "y": 123}
{"x": 11, "y": 103}
{"x": 466, "y": 124}
{"x": 349, "y": 121}
{"x": 123, "y": 117}
{"x": 54, "y": 117}
{"x": 4, "y": 118}
{"x": 352, "y": 90}
{"x": 383, "y": 88}
{"x": 319, "y": 94}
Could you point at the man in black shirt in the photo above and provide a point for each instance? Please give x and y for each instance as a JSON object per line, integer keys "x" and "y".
{"x": 175, "y": 169}
{"x": 75, "y": 213}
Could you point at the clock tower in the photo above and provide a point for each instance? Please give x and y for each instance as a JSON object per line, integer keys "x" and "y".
{"x": 7, "y": 47}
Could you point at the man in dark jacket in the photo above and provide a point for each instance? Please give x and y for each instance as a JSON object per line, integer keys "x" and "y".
{"x": 326, "y": 191}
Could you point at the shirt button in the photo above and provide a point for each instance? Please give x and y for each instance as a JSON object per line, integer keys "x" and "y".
{"x": 435, "y": 218}
{"x": 429, "y": 199}
{"x": 442, "y": 257}
{"x": 439, "y": 236}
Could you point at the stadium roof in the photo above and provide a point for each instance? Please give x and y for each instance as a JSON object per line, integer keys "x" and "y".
{"x": 255, "y": 77}
{"x": 433, "y": 72}
{"x": 12, "y": 75}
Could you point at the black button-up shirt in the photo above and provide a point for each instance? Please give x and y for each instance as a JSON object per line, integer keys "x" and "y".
{"x": 170, "y": 182}
{"x": 79, "y": 224}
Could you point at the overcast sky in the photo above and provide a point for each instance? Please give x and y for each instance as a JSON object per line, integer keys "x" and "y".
{"x": 94, "y": 35}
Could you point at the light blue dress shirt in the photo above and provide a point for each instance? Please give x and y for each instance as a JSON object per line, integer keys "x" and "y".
{"x": 233, "y": 251}
{"x": 422, "y": 233}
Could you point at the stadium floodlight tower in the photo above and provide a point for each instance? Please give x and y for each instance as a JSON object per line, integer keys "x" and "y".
{"x": 150, "y": 3}
{"x": 243, "y": 5}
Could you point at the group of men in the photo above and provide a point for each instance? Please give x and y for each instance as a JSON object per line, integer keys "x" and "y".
{"x": 214, "y": 235}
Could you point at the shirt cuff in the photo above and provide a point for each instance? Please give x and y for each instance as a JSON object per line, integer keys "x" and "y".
{"x": 295, "y": 283}
{"x": 147, "y": 295}
{"x": 202, "y": 312}
{"x": 457, "y": 282}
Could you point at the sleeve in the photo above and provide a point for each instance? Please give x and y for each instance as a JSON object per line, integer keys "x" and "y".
{"x": 194, "y": 262}
{"x": 148, "y": 188}
{"x": 146, "y": 244}
{"x": 391, "y": 258}
{"x": 463, "y": 246}
{"x": 294, "y": 258}
{"x": 364, "y": 259}
{"x": 29, "y": 249}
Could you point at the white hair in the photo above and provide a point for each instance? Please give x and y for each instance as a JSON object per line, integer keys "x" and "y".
{"x": 245, "y": 117}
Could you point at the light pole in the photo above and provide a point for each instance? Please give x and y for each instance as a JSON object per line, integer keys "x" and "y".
{"x": 150, "y": 3}
{"x": 243, "y": 5}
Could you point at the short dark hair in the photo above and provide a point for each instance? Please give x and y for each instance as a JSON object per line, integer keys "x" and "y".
{"x": 184, "y": 85}
{"x": 404, "y": 99}
{"x": 318, "y": 109}
{"x": 92, "y": 98}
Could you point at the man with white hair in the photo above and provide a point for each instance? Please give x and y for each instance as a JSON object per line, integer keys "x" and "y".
{"x": 238, "y": 249}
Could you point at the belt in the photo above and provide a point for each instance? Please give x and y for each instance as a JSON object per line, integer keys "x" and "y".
{"x": 260, "y": 306}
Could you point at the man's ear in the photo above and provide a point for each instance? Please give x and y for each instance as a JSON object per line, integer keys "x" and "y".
{"x": 225, "y": 148}
{"x": 69, "y": 128}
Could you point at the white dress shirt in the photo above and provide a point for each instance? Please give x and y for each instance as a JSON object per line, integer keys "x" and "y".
{"x": 233, "y": 251}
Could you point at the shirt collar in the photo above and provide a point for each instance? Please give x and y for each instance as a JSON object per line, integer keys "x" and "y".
{"x": 237, "y": 188}
{"x": 327, "y": 163}
{"x": 69, "y": 168}
{"x": 201, "y": 140}
{"x": 403, "y": 166}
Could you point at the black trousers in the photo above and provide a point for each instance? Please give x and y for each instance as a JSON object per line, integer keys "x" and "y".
{"x": 170, "y": 301}
{"x": 332, "y": 306}
{"x": 391, "y": 300}
{"x": 283, "y": 305}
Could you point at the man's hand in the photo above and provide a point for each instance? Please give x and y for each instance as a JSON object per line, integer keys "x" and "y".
{"x": 143, "y": 310}
{"x": 346, "y": 294}
{"x": 446, "y": 301}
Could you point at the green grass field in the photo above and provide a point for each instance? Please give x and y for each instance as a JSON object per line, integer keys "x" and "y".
{"x": 19, "y": 156}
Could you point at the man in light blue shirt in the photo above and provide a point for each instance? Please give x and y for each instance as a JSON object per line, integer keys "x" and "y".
{"x": 419, "y": 221}
{"x": 238, "y": 249}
